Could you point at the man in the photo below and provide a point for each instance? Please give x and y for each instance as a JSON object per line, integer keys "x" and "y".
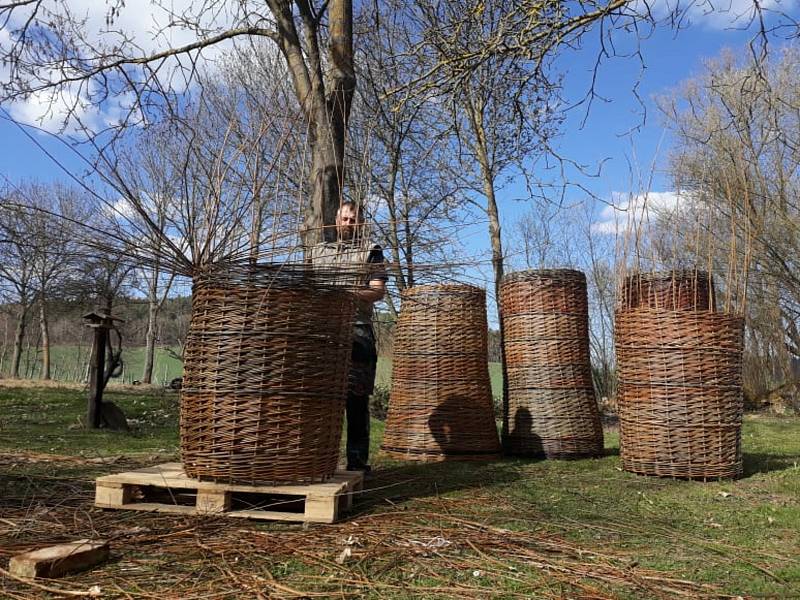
{"x": 356, "y": 263}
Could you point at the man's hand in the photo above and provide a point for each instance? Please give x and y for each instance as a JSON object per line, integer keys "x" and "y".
{"x": 376, "y": 291}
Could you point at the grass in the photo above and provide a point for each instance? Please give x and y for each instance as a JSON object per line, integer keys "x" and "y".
{"x": 739, "y": 536}
{"x": 68, "y": 363}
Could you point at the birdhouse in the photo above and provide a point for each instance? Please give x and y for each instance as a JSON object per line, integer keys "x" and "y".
{"x": 100, "y": 320}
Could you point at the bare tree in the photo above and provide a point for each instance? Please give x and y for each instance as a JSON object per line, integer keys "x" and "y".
{"x": 498, "y": 111}
{"x": 400, "y": 156}
{"x": 157, "y": 288}
{"x": 555, "y": 236}
{"x": 41, "y": 250}
{"x": 16, "y": 271}
{"x": 53, "y": 54}
{"x": 737, "y": 163}
{"x": 53, "y": 240}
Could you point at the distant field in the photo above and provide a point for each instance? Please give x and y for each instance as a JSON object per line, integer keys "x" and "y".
{"x": 69, "y": 364}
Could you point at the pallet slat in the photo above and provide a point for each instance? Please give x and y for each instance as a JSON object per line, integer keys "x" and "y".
{"x": 322, "y": 502}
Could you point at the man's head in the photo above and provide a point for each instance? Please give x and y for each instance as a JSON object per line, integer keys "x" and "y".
{"x": 348, "y": 219}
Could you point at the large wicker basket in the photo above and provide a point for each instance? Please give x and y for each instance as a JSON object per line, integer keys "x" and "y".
{"x": 681, "y": 289}
{"x": 551, "y": 401}
{"x": 680, "y": 392}
{"x": 441, "y": 399}
{"x": 264, "y": 383}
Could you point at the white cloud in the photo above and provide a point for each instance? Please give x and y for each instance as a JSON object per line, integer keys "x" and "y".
{"x": 627, "y": 212}
{"x": 716, "y": 14}
{"x": 150, "y": 28}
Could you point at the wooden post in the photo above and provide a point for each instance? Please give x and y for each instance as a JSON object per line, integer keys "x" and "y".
{"x": 97, "y": 369}
{"x": 101, "y": 323}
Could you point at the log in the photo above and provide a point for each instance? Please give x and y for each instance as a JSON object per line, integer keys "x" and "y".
{"x": 55, "y": 561}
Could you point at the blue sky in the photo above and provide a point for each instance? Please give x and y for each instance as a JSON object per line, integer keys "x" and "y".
{"x": 626, "y": 134}
{"x": 668, "y": 57}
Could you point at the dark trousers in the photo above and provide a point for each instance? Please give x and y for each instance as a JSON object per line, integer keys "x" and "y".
{"x": 357, "y": 431}
{"x": 364, "y": 360}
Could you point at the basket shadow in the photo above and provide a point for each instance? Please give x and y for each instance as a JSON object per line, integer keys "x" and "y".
{"x": 395, "y": 484}
{"x": 755, "y": 463}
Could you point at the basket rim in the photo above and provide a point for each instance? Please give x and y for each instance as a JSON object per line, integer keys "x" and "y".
{"x": 544, "y": 274}
{"x": 669, "y": 275}
{"x": 443, "y": 288}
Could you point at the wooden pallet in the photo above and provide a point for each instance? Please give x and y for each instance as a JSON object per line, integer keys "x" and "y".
{"x": 166, "y": 488}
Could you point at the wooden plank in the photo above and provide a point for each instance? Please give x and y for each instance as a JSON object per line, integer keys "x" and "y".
{"x": 321, "y": 509}
{"x": 112, "y": 494}
{"x": 323, "y": 502}
{"x": 354, "y": 486}
{"x": 172, "y": 475}
{"x": 157, "y": 507}
{"x": 212, "y": 501}
{"x": 55, "y": 561}
{"x": 259, "y": 515}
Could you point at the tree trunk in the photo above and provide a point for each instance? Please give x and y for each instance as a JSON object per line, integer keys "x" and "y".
{"x": 394, "y": 236}
{"x": 325, "y": 102}
{"x": 150, "y": 341}
{"x": 45, "y": 339}
{"x": 409, "y": 253}
{"x": 326, "y": 189}
{"x": 497, "y": 267}
{"x": 4, "y": 353}
{"x": 330, "y": 124}
{"x": 19, "y": 338}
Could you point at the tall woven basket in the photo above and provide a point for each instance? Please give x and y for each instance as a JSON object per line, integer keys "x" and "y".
{"x": 680, "y": 391}
{"x": 551, "y": 401}
{"x": 264, "y": 382}
{"x": 441, "y": 399}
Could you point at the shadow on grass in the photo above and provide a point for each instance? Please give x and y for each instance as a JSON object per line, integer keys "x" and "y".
{"x": 419, "y": 480}
{"x": 755, "y": 463}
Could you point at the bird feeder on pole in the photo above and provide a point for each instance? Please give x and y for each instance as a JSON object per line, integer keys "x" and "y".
{"x": 102, "y": 323}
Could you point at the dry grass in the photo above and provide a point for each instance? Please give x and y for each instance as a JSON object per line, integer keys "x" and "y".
{"x": 507, "y": 529}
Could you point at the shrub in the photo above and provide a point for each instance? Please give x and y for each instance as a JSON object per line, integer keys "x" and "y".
{"x": 379, "y": 403}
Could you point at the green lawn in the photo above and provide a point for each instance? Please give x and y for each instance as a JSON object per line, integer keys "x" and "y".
{"x": 68, "y": 363}
{"x": 512, "y": 528}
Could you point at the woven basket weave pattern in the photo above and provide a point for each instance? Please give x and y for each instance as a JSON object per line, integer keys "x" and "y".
{"x": 686, "y": 289}
{"x": 551, "y": 401}
{"x": 264, "y": 383}
{"x": 680, "y": 392}
{"x": 441, "y": 400}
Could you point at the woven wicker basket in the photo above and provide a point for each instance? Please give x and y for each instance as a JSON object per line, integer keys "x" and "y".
{"x": 683, "y": 289}
{"x": 551, "y": 401}
{"x": 264, "y": 381}
{"x": 680, "y": 392}
{"x": 441, "y": 400}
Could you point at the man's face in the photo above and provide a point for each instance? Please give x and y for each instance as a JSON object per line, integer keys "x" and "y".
{"x": 347, "y": 221}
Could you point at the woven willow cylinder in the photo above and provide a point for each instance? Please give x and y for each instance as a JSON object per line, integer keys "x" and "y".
{"x": 551, "y": 402}
{"x": 682, "y": 289}
{"x": 441, "y": 400}
{"x": 680, "y": 392}
{"x": 264, "y": 385}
